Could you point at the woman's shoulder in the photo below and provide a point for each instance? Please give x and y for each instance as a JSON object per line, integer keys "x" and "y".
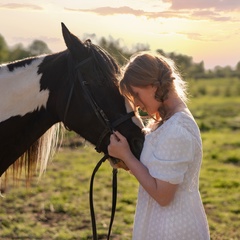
{"x": 185, "y": 120}
{"x": 181, "y": 123}
{"x": 182, "y": 119}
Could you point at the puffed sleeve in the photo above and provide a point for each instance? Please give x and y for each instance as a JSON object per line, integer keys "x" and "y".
{"x": 170, "y": 155}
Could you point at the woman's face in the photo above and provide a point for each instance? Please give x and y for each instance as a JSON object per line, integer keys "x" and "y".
{"x": 144, "y": 98}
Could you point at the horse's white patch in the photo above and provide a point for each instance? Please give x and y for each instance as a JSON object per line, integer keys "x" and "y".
{"x": 136, "y": 119}
{"x": 20, "y": 91}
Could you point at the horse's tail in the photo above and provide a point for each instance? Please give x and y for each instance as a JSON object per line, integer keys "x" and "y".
{"x": 36, "y": 158}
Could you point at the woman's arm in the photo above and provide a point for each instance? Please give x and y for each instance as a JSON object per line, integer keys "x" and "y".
{"x": 161, "y": 191}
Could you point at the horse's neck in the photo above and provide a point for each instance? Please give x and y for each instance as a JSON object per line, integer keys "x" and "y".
{"x": 28, "y": 110}
{"x": 19, "y": 133}
{"x": 20, "y": 90}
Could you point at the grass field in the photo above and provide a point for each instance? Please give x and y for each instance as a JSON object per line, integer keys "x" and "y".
{"x": 57, "y": 206}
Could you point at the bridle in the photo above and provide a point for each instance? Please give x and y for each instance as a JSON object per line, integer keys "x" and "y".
{"x": 108, "y": 129}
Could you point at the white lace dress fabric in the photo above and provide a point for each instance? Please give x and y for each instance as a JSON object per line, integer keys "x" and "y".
{"x": 173, "y": 153}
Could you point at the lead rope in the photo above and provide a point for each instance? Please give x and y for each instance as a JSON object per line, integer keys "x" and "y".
{"x": 114, "y": 198}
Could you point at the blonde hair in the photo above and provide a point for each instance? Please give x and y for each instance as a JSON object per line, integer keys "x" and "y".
{"x": 148, "y": 68}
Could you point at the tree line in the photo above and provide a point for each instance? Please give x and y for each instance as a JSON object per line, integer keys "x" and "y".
{"x": 185, "y": 64}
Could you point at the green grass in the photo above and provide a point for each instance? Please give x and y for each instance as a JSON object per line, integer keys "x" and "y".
{"x": 220, "y": 184}
{"x": 215, "y": 87}
{"x": 57, "y": 207}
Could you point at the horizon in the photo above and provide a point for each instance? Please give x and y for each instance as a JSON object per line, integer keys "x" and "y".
{"x": 206, "y": 30}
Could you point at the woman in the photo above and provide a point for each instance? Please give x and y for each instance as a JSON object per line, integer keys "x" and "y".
{"x": 169, "y": 203}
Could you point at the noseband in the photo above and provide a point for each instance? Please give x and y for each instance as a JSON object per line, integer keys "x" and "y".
{"x": 108, "y": 129}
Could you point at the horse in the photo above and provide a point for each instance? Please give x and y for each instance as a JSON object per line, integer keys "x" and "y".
{"x": 76, "y": 89}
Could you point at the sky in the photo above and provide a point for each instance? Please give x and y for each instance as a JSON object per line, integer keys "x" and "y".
{"x": 207, "y": 30}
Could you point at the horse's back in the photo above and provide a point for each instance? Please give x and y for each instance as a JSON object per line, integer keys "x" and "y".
{"x": 20, "y": 91}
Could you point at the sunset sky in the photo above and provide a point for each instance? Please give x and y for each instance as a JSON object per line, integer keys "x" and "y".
{"x": 207, "y": 30}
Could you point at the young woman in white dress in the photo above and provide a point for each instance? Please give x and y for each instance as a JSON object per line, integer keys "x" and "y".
{"x": 169, "y": 204}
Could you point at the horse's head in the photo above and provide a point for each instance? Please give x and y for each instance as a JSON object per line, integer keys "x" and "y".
{"x": 93, "y": 105}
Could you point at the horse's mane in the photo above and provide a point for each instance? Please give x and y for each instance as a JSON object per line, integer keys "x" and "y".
{"x": 38, "y": 155}
{"x": 105, "y": 63}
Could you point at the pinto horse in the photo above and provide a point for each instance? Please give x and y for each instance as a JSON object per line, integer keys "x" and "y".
{"x": 77, "y": 88}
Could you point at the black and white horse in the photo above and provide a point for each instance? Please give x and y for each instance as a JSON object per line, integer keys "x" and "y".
{"x": 77, "y": 87}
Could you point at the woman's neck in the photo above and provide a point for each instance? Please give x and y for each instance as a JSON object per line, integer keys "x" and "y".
{"x": 171, "y": 106}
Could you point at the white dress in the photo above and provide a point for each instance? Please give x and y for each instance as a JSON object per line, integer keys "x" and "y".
{"x": 173, "y": 153}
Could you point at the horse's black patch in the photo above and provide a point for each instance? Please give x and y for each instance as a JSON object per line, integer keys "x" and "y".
{"x": 53, "y": 69}
{"x": 84, "y": 97}
{"x": 18, "y": 64}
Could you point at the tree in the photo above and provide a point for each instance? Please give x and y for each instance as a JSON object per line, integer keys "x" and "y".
{"x": 185, "y": 64}
{"x": 38, "y": 47}
{"x": 237, "y": 71}
{"x": 121, "y": 54}
{"x": 218, "y": 72}
{"x": 113, "y": 47}
{"x": 3, "y": 50}
{"x": 197, "y": 70}
{"x": 18, "y": 52}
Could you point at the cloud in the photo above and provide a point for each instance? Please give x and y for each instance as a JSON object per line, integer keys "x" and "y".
{"x": 183, "y": 13}
{"x": 20, "y": 6}
{"x": 222, "y": 5}
{"x": 111, "y": 11}
{"x": 106, "y": 11}
{"x": 189, "y": 35}
{"x": 209, "y": 15}
{"x": 196, "y": 36}
{"x": 215, "y": 36}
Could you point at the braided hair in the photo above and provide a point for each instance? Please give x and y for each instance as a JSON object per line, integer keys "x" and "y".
{"x": 148, "y": 68}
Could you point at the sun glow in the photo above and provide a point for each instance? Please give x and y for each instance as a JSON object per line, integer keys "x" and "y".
{"x": 206, "y": 32}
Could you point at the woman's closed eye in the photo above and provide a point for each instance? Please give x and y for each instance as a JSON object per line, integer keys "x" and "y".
{"x": 136, "y": 96}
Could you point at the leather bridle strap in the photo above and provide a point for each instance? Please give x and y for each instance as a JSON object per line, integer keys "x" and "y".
{"x": 114, "y": 198}
{"x": 97, "y": 110}
{"x": 100, "y": 113}
{"x": 113, "y": 126}
{"x": 123, "y": 119}
{"x": 108, "y": 129}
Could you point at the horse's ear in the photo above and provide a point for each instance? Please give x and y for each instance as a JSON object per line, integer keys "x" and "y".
{"x": 74, "y": 44}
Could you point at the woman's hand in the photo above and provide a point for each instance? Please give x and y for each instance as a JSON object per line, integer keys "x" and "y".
{"x": 163, "y": 192}
{"x": 119, "y": 147}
